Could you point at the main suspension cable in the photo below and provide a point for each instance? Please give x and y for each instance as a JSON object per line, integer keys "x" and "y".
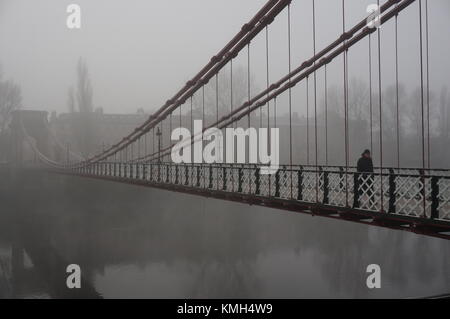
{"x": 290, "y": 94}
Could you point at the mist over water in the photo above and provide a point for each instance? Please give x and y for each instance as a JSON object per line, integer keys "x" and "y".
{"x": 80, "y": 91}
{"x": 140, "y": 242}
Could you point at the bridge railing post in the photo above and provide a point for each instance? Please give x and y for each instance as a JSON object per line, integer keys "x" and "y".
{"x": 210, "y": 175}
{"x": 356, "y": 180}
{"x": 300, "y": 183}
{"x": 198, "y": 176}
{"x": 326, "y": 190}
{"x": 392, "y": 192}
{"x": 277, "y": 184}
{"x": 258, "y": 181}
{"x": 186, "y": 174}
{"x": 435, "y": 197}
{"x": 168, "y": 169}
{"x": 224, "y": 178}
{"x": 240, "y": 175}
{"x": 144, "y": 171}
{"x": 159, "y": 172}
{"x": 423, "y": 191}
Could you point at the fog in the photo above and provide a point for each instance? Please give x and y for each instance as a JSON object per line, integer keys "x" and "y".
{"x": 140, "y": 53}
{"x": 96, "y": 84}
{"x": 134, "y": 242}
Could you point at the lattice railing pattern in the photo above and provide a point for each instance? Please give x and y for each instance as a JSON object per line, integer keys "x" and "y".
{"x": 408, "y": 192}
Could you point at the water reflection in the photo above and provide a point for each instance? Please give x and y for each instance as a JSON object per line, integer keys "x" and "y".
{"x": 139, "y": 242}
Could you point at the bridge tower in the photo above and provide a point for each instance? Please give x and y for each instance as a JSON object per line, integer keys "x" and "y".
{"x": 33, "y": 124}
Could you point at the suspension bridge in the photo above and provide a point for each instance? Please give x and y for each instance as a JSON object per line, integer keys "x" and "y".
{"x": 402, "y": 198}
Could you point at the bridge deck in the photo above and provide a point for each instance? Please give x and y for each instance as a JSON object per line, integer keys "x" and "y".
{"x": 408, "y": 199}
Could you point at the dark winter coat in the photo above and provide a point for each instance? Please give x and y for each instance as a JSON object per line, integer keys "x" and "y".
{"x": 365, "y": 165}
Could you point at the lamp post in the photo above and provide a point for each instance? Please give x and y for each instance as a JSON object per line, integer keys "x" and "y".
{"x": 159, "y": 134}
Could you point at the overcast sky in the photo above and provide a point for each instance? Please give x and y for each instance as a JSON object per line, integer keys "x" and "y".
{"x": 140, "y": 52}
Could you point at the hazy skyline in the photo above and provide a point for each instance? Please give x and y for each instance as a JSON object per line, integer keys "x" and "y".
{"x": 139, "y": 54}
{"x": 332, "y": 183}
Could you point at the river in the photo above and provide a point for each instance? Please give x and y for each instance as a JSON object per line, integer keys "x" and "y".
{"x": 137, "y": 242}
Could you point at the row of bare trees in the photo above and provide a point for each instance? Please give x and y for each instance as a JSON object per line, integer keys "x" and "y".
{"x": 81, "y": 107}
{"x": 10, "y": 100}
{"x": 401, "y": 126}
{"x": 400, "y": 122}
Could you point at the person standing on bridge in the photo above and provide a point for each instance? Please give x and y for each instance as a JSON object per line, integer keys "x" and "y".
{"x": 365, "y": 177}
{"x": 365, "y": 164}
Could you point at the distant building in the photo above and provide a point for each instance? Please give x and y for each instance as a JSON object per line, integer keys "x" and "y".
{"x": 107, "y": 129}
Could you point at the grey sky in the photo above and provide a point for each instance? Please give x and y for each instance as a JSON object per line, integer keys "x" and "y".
{"x": 141, "y": 52}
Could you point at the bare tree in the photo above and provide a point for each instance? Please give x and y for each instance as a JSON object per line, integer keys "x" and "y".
{"x": 71, "y": 104}
{"x": 444, "y": 114}
{"x": 80, "y": 104}
{"x": 84, "y": 88}
{"x": 218, "y": 98}
{"x": 10, "y": 100}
